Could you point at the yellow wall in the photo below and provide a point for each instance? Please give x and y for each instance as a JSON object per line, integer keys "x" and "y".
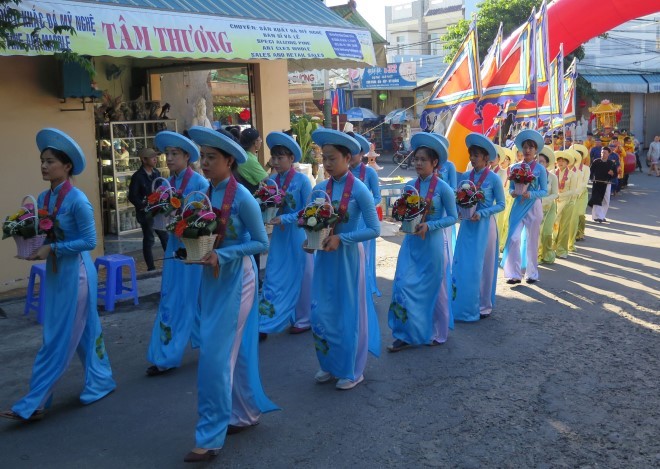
{"x": 271, "y": 84}
{"x": 29, "y": 97}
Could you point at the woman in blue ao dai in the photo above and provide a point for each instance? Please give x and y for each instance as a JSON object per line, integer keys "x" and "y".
{"x": 286, "y": 293}
{"x": 477, "y": 247}
{"x": 229, "y": 392}
{"x": 417, "y": 315}
{"x": 180, "y": 282}
{"x": 71, "y": 322}
{"x": 369, "y": 177}
{"x": 344, "y": 321}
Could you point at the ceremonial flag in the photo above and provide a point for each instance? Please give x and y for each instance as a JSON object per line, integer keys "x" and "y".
{"x": 514, "y": 80}
{"x": 567, "y": 94}
{"x": 335, "y": 103}
{"x": 461, "y": 82}
{"x": 493, "y": 58}
{"x": 542, "y": 52}
{"x": 557, "y": 82}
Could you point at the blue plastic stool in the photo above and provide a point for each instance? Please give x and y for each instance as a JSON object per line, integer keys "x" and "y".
{"x": 36, "y": 301}
{"x": 114, "y": 288}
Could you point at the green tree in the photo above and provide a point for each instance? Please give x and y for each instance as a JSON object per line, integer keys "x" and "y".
{"x": 11, "y": 22}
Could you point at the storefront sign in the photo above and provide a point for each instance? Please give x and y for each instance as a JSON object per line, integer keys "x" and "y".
{"x": 398, "y": 75}
{"x": 119, "y": 31}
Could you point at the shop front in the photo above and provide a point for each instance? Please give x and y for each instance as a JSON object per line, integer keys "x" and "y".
{"x": 145, "y": 58}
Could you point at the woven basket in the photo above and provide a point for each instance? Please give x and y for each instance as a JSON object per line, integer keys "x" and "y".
{"x": 197, "y": 248}
{"x": 519, "y": 188}
{"x": 409, "y": 226}
{"x": 315, "y": 238}
{"x": 161, "y": 221}
{"x": 269, "y": 213}
{"x": 25, "y": 247}
{"x": 466, "y": 213}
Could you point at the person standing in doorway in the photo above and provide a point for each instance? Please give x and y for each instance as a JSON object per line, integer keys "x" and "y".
{"x": 138, "y": 191}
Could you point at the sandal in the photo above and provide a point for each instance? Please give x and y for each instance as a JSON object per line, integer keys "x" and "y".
{"x": 153, "y": 370}
{"x": 35, "y": 417}
{"x": 194, "y": 456}
{"x": 398, "y": 345}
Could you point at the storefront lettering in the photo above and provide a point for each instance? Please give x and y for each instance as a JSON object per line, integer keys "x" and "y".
{"x": 85, "y": 23}
{"x": 137, "y": 38}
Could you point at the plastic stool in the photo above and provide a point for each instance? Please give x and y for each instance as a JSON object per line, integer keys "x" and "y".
{"x": 36, "y": 301}
{"x": 114, "y": 288}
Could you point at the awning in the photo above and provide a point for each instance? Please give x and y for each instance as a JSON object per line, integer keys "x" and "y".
{"x": 617, "y": 83}
{"x": 654, "y": 82}
{"x": 305, "y": 32}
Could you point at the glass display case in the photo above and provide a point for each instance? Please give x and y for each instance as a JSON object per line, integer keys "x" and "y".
{"x": 118, "y": 144}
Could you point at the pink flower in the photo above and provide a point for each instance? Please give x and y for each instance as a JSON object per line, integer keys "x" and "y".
{"x": 209, "y": 216}
{"x": 301, "y": 222}
{"x": 278, "y": 199}
{"x": 28, "y": 206}
{"x": 25, "y": 216}
{"x": 45, "y": 224}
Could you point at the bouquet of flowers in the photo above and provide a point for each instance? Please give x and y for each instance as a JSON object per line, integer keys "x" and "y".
{"x": 317, "y": 219}
{"x": 270, "y": 198}
{"x": 467, "y": 198}
{"x": 195, "y": 226}
{"x": 521, "y": 176}
{"x": 162, "y": 202}
{"x": 409, "y": 209}
{"x": 29, "y": 227}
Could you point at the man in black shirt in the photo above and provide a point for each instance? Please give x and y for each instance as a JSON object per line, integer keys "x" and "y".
{"x": 138, "y": 191}
{"x": 602, "y": 172}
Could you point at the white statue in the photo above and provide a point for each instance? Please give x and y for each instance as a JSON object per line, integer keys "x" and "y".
{"x": 200, "y": 114}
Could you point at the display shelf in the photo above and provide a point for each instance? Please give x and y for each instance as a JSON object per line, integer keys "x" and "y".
{"x": 118, "y": 144}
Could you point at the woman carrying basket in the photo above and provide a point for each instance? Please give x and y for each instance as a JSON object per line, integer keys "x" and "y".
{"x": 286, "y": 294}
{"x": 71, "y": 321}
{"x": 417, "y": 315}
{"x": 230, "y": 396}
{"x": 475, "y": 260}
{"x": 180, "y": 282}
{"x": 344, "y": 322}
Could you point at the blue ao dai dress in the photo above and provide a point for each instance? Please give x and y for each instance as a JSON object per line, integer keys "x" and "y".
{"x": 371, "y": 181}
{"x": 474, "y": 275}
{"x": 228, "y": 382}
{"x": 522, "y": 242}
{"x": 344, "y": 321}
{"x": 285, "y": 298}
{"x": 71, "y": 319}
{"x": 416, "y": 315}
{"x": 179, "y": 288}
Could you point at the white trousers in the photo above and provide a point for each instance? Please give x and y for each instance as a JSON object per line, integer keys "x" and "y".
{"x": 532, "y": 223}
{"x": 488, "y": 274}
{"x": 599, "y": 212}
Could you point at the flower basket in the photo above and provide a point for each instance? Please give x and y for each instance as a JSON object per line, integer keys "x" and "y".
{"x": 409, "y": 226}
{"x": 159, "y": 209}
{"x": 409, "y": 210}
{"x": 25, "y": 247}
{"x": 519, "y": 188}
{"x": 317, "y": 219}
{"x": 270, "y": 199}
{"x": 466, "y": 212}
{"x": 315, "y": 239}
{"x": 269, "y": 213}
{"x": 468, "y": 195}
{"x": 28, "y": 227}
{"x": 161, "y": 221}
{"x": 197, "y": 248}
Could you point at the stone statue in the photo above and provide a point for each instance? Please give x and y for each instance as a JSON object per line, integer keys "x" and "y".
{"x": 200, "y": 114}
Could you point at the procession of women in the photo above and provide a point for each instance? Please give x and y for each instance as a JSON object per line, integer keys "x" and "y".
{"x": 513, "y": 208}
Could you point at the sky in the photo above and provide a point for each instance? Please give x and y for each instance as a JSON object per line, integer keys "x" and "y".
{"x": 371, "y": 10}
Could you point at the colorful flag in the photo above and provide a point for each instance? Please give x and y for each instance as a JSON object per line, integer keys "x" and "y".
{"x": 514, "y": 80}
{"x": 542, "y": 52}
{"x": 568, "y": 97}
{"x": 493, "y": 58}
{"x": 461, "y": 82}
{"x": 335, "y": 103}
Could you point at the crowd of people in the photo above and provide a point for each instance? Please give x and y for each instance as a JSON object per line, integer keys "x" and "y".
{"x": 445, "y": 272}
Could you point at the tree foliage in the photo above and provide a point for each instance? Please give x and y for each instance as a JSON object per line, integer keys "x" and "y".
{"x": 11, "y": 21}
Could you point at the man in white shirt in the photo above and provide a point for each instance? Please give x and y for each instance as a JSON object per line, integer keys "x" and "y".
{"x": 654, "y": 156}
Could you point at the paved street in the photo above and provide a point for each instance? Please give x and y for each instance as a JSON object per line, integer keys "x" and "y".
{"x": 565, "y": 374}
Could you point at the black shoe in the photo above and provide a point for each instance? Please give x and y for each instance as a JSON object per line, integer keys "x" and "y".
{"x": 153, "y": 370}
{"x": 397, "y": 346}
{"x": 263, "y": 336}
{"x": 483, "y": 316}
{"x": 234, "y": 429}
{"x": 531, "y": 280}
{"x": 513, "y": 281}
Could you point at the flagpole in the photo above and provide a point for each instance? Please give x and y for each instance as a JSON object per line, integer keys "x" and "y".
{"x": 536, "y": 73}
